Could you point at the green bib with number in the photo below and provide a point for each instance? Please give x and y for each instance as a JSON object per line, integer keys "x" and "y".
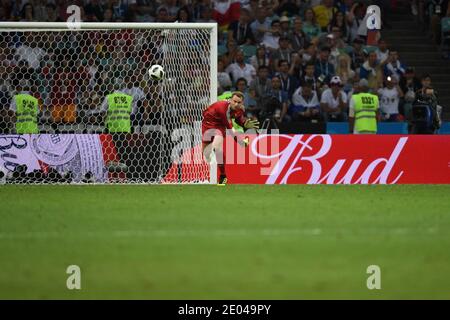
{"x": 27, "y": 110}
{"x": 119, "y": 111}
{"x": 366, "y": 106}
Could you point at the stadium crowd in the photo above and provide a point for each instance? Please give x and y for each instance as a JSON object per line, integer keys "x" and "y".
{"x": 294, "y": 60}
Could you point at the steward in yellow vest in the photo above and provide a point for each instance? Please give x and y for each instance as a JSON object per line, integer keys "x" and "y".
{"x": 363, "y": 110}
{"x": 27, "y": 111}
{"x": 118, "y": 118}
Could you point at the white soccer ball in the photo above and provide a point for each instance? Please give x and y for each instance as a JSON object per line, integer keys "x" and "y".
{"x": 156, "y": 72}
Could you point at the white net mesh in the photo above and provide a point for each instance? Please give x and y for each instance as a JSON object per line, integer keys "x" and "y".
{"x": 71, "y": 73}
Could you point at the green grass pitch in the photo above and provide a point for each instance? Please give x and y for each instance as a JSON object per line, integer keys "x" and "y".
{"x": 233, "y": 242}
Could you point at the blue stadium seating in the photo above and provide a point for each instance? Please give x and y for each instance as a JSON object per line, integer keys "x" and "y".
{"x": 392, "y": 128}
{"x": 337, "y": 128}
{"x": 445, "y": 128}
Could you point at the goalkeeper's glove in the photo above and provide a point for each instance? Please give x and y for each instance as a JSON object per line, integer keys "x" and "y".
{"x": 251, "y": 124}
{"x": 244, "y": 142}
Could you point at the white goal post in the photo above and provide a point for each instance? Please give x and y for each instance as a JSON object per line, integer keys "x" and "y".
{"x": 71, "y": 71}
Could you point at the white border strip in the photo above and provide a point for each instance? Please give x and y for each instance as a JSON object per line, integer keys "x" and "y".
{"x": 104, "y": 25}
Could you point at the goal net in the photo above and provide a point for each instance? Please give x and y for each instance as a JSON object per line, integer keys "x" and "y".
{"x": 71, "y": 73}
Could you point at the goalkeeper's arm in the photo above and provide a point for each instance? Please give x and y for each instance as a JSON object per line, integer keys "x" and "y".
{"x": 246, "y": 123}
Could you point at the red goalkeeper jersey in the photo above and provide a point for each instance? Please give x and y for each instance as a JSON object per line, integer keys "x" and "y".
{"x": 218, "y": 117}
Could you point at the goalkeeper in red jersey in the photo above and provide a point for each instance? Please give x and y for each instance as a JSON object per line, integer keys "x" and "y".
{"x": 217, "y": 118}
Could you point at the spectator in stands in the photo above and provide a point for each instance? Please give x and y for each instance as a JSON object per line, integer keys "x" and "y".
{"x": 333, "y": 101}
{"x": 249, "y": 100}
{"x": 205, "y": 15}
{"x": 297, "y": 37}
{"x": 240, "y": 30}
{"x": 145, "y": 10}
{"x": 271, "y": 38}
{"x": 261, "y": 24}
{"x": 27, "y": 14}
{"x": 324, "y": 70}
{"x": 276, "y": 92}
{"x": 240, "y": 69}
{"x": 394, "y": 67}
{"x": 288, "y": 82}
{"x": 15, "y": 10}
{"x": 3, "y": 14}
{"x": 331, "y": 43}
{"x": 283, "y": 52}
{"x": 171, "y": 8}
{"x": 183, "y": 15}
{"x": 252, "y": 7}
{"x": 285, "y": 26}
{"x": 409, "y": 84}
{"x": 437, "y": 10}
{"x": 29, "y": 52}
{"x": 338, "y": 26}
{"x": 344, "y": 71}
{"x": 223, "y": 78}
{"x": 296, "y": 68}
{"x": 94, "y": 10}
{"x": 261, "y": 85}
{"x": 51, "y": 14}
{"x": 309, "y": 77}
{"x": 310, "y": 26}
{"x": 382, "y": 51}
{"x": 261, "y": 58}
{"x": 324, "y": 13}
{"x": 355, "y": 19}
{"x": 372, "y": 71}
{"x": 426, "y": 83}
{"x": 305, "y": 103}
{"x": 357, "y": 55}
{"x": 108, "y": 15}
{"x": 162, "y": 15}
{"x": 287, "y": 7}
{"x": 309, "y": 55}
{"x": 230, "y": 55}
{"x": 389, "y": 98}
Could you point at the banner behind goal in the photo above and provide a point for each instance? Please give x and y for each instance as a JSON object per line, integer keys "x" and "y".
{"x": 71, "y": 71}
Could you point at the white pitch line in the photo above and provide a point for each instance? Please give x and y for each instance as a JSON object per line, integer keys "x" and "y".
{"x": 167, "y": 233}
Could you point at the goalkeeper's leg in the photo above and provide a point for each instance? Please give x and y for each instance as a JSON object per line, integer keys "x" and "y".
{"x": 216, "y": 146}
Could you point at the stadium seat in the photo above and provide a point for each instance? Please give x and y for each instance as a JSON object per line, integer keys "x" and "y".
{"x": 445, "y": 128}
{"x": 348, "y": 49}
{"x": 337, "y": 128}
{"x": 392, "y": 128}
{"x": 248, "y": 50}
{"x": 221, "y": 50}
{"x": 369, "y": 49}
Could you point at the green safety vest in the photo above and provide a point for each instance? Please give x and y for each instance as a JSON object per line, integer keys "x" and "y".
{"x": 224, "y": 96}
{"x": 27, "y": 109}
{"x": 366, "y": 105}
{"x": 119, "y": 111}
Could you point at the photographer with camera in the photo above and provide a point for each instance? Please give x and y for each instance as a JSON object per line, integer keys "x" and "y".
{"x": 426, "y": 113}
{"x": 275, "y": 105}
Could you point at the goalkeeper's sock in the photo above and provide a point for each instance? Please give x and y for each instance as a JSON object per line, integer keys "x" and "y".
{"x": 222, "y": 170}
